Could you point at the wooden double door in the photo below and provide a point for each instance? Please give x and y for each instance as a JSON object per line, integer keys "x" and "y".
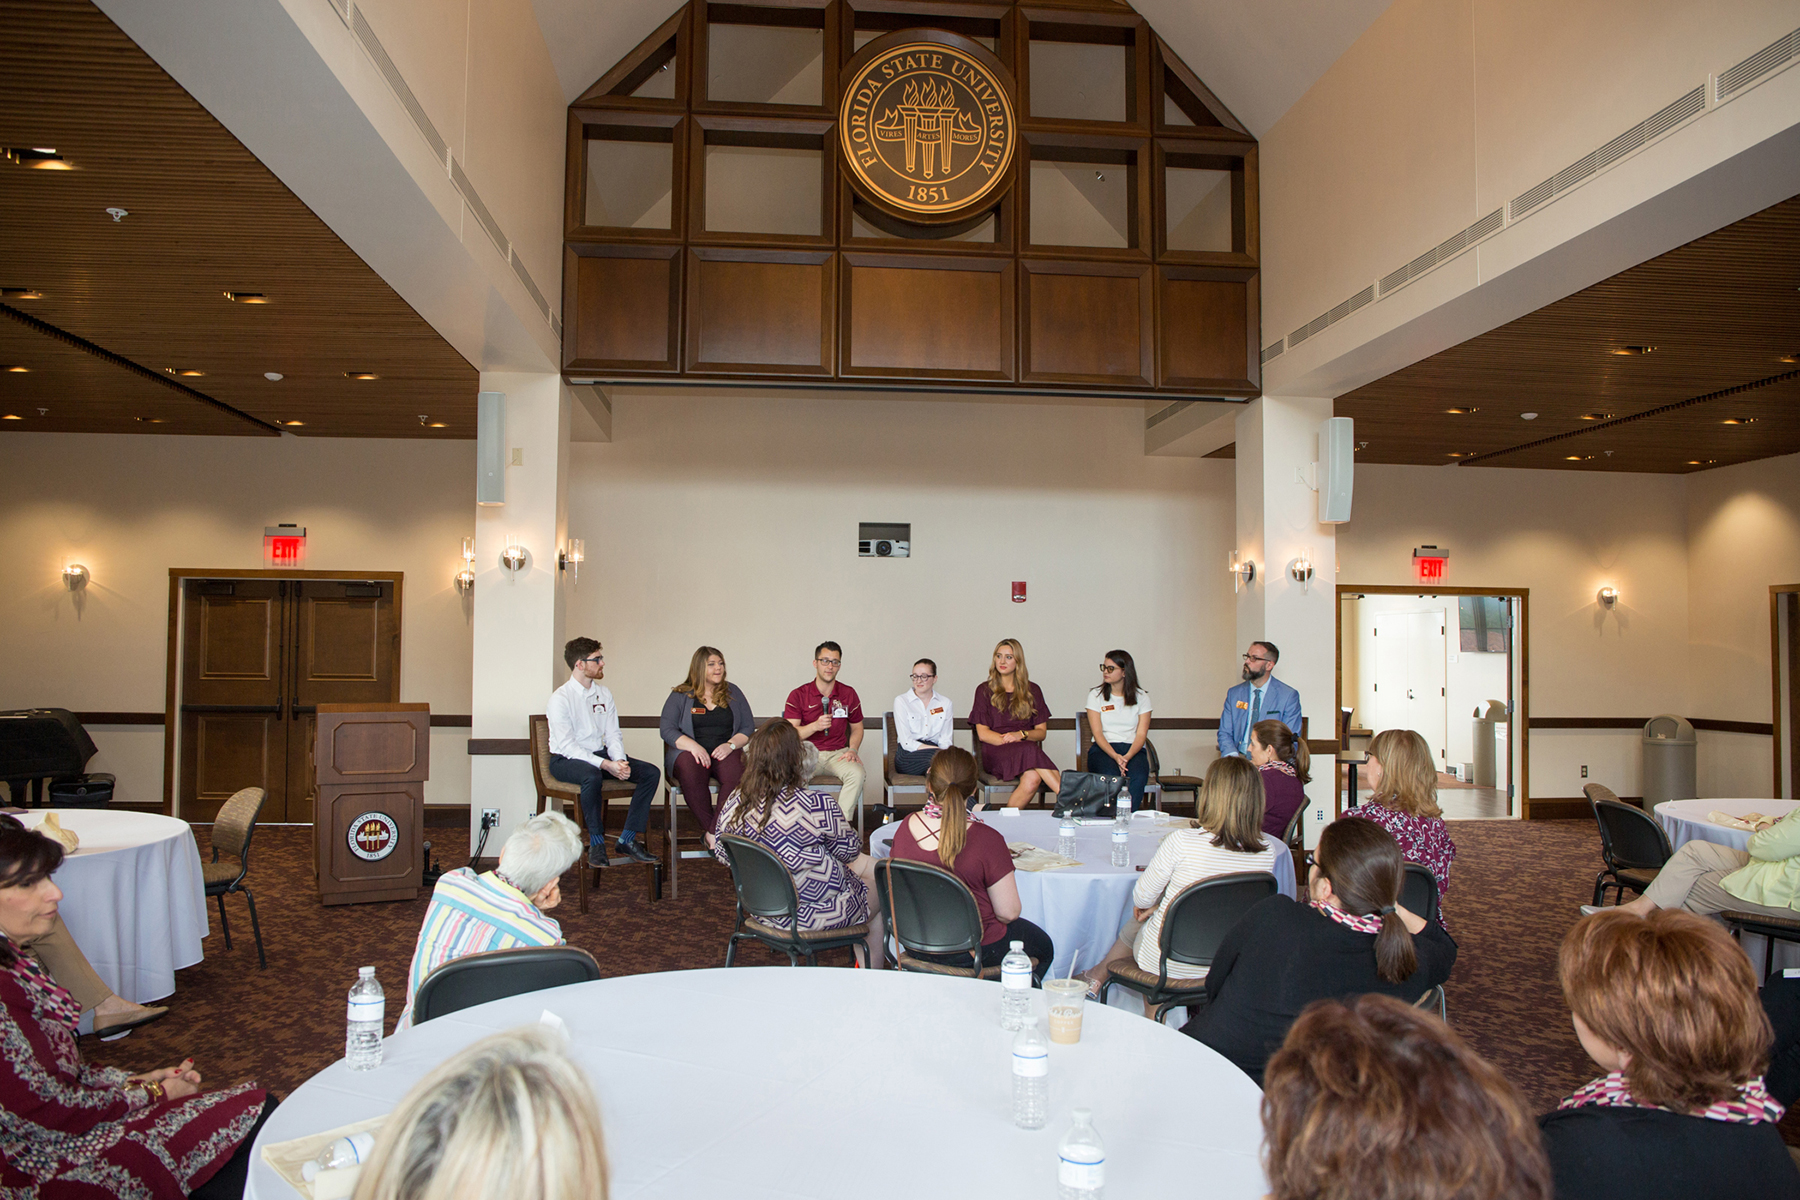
{"x": 258, "y": 655}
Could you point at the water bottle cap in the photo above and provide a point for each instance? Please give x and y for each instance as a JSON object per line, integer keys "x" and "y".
{"x": 1083, "y": 1114}
{"x": 1018, "y": 945}
{"x": 365, "y": 972}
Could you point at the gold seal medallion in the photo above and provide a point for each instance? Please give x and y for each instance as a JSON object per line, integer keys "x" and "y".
{"x": 927, "y": 125}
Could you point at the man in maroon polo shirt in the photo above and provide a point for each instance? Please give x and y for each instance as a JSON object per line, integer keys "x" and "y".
{"x": 829, "y": 715}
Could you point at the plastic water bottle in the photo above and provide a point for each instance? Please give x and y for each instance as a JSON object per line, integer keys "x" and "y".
{"x": 367, "y": 1017}
{"x": 345, "y": 1152}
{"x": 1015, "y": 988}
{"x": 1065, "y": 837}
{"x": 1031, "y": 1078}
{"x": 1081, "y": 1175}
{"x": 1121, "y": 842}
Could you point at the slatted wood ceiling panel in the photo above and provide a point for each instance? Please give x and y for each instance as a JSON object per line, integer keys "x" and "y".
{"x": 206, "y": 217}
{"x": 1721, "y": 311}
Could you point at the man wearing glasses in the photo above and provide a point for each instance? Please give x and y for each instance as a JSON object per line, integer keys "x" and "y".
{"x": 1260, "y": 697}
{"x": 829, "y": 715}
{"x": 584, "y": 721}
{"x": 922, "y": 721}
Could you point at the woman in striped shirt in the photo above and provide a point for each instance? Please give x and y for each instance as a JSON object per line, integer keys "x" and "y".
{"x": 1229, "y": 839}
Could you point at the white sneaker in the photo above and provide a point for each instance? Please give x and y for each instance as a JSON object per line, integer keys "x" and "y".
{"x": 1588, "y": 910}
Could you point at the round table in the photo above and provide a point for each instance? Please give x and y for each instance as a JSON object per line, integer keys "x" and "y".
{"x": 759, "y": 1082}
{"x": 1685, "y": 820}
{"x": 133, "y": 896}
{"x": 1081, "y": 908}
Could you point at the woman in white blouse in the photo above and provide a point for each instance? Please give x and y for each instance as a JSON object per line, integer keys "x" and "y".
{"x": 922, "y": 721}
{"x": 1118, "y": 714}
{"x": 1229, "y": 839}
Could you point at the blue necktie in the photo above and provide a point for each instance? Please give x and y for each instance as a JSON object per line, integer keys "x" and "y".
{"x": 1255, "y": 715}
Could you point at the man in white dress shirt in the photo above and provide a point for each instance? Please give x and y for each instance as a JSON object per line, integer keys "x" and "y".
{"x": 922, "y": 721}
{"x": 584, "y": 722}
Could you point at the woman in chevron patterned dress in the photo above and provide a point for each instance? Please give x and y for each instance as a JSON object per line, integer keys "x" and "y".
{"x": 807, "y": 831}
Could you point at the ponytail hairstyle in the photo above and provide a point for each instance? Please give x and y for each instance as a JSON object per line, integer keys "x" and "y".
{"x": 951, "y": 780}
{"x": 1287, "y": 747}
{"x": 1364, "y": 864}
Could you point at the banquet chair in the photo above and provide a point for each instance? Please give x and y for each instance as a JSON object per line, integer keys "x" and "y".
{"x": 1772, "y": 930}
{"x": 1295, "y": 834}
{"x": 994, "y": 790}
{"x": 550, "y": 790}
{"x": 1632, "y": 845}
{"x": 1419, "y": 896}
{"x": 1172, "y": 783}
{"x": 231, "y": 832}
{"x": 931, "y": 911}
{"x": 496, "y": 974}
{"x": 677, "y": 845}
{"x": 1084, "y": 740}
{"x": 768, "y": 908}
{"x": 1196, "y": 922}
{"x": 894, "y": 783}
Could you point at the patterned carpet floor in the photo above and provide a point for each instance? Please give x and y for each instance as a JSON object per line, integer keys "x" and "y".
{"x": 1514, "y": 893}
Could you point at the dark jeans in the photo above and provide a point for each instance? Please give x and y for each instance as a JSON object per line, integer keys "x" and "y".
{"x": 1781, "y": 1000}
{"x": 1101, "y": 763}
{"x": 227, "y": 1183}
{"x": 692, "y": 778}
{"x": 1037, "y": 946}
{"x": 913, "y": 762}
{"x": 589, "y": 778}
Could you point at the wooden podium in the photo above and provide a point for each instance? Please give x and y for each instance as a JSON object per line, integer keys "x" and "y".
{"x": 370, "y": 764}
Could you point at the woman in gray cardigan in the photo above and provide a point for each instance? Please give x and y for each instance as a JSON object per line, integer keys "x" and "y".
{"x": 705, "y": 725}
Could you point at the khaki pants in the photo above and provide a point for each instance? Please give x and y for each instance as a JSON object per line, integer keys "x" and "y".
{"x": 850, "y": 774}
{"x": 1690, "y": 880}
{"x": 58, "y": 954}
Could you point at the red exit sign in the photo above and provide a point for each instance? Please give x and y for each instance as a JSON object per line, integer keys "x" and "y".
{"x": 1428, "y": 564}
{"x": 284, "y": 546}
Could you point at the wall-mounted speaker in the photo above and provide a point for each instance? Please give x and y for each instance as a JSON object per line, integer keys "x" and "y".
{"x": 490, "y": 448}
{"x": 1337, "y": 467}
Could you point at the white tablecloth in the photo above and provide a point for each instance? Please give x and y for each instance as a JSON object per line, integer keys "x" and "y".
{"x": 827, "y": 1083}
{"x": 1081, "y": 908}
{"x": 133, "y": 896}
{"x": 1685, "y": 820}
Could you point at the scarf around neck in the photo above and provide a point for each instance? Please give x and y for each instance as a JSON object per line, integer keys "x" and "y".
{"x": 1368, "y": 924}
{"x": 1751, "y": 1105}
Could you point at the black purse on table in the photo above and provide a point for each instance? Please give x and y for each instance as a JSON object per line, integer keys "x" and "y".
{"x": 1085, "y": 794}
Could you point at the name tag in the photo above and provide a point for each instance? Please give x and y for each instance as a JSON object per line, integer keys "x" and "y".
{"x": 1243, "y": 704}
{"x": 1106, "y": 708}
{"x": 839, "y": 712}
{"x": 936, "y": 711}
{"x": 700, "y": 711}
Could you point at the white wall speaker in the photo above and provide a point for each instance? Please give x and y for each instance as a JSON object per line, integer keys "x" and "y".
{"x": 1337, "y": 467}
{"x": 490, "y": 448}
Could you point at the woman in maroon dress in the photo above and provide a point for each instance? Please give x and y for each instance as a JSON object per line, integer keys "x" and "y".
{"x": 1010, "y": 718}
{"x": 70, "y": 1129}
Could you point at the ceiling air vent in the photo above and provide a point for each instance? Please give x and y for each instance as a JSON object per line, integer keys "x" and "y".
{"x": 1766, "y": 61}
{"x": 1664, "y": 119}
{"x": 1443, "y": 252}
{"x": 1270, "y": 353}
{"x": 379, "y": 56}
{"x": 537, "y": 297}
{"x": 482, "y": 215}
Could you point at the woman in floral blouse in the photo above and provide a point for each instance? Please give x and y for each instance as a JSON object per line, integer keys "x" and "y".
{"x": 69, "y": 1129}
{"x": 1403, "y": 778}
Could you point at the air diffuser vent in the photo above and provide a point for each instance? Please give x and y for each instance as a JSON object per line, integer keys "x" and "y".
{"x": 482, "y": 215}
{"x": 1764, "y": 62}
{"x": 1583, "y": 168}
{"x": 537, "y": 297}
{"x": 1271, "y": 353}
{"x": 379, "y": 56}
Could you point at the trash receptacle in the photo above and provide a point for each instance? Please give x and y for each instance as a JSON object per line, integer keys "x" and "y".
{"x": 1486, "y": 772}
{"x": 1669, "y": 770}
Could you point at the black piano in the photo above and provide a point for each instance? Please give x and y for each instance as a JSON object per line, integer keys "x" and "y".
{"x": 44, "y": 753}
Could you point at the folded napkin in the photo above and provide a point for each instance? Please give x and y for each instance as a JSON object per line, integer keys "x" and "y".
{"x": 1749, "y": 821}
{"x": 288, "y": 1157}
{"x": 52, "y": 828}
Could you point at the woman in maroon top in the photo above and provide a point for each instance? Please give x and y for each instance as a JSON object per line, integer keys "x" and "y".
{"x": 1403, "y": 778}
{"x": 1011, "y": 720}
{"x": 1285, "y": 765}
{"x": 945, "y": 836}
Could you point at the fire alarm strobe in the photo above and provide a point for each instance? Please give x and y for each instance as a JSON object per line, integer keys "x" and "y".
{"x": 876, "y": 540}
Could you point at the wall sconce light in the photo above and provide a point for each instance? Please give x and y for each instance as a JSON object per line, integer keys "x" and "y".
{"x": 570, "y": 560}
{"x": 1301, "y": 570}
{"x": 75, "y": 577}
{"x": 1609, "y": 596}
{"x": 512, "y": 559}
{"x": 465, "y": 578}
{"x": 1242, "y": 573}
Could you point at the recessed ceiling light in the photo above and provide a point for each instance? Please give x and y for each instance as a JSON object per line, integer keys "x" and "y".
{"x": 293, "y": 422}
{"x": 18, "y": 370}
{"x": 1461, "y": 453}
{"x": 20, "y": 293}
{"x": 44, "y": 158}
{"x": 272, "y": 376}
{"x": 247, "y": 297}
{"x": 149, "y": 420}
{"x": 436, "y": 425}
{"x": 1527, "y": 416}
{"x": 1739, "y": 421}
{"x": 12, "y": 417}
{"x": 1697, "y": 462}
{"x": 1462, "y": 412}
{"x": 185, "y": 372}
{"x": 1597, "y": 416}
{"x": 1626, "y": 350}
{"x": 361, "y": 375}
{"x": 1790, "y": 358}
{"x": 1577, "y": 457}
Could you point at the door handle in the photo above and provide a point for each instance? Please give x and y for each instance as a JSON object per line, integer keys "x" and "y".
{"x": 1409, "y": 694}
{"x": 280, "y": 708}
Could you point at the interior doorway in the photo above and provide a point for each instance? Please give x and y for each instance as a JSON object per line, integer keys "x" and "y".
{"x": 1784, "y": 633}
{"x": 1449, "y": 665}
{"x": 251, "y": 655}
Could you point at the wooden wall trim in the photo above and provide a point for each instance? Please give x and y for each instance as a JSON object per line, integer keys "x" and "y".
{"x": 1764, "y": 728}
{"x": 438, "y": 720}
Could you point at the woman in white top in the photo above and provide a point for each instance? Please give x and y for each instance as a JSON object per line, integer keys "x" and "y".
{"x": 1229, "y": 839}
{"x": 922, "y": 721}
{"x": 1118, "y": 713}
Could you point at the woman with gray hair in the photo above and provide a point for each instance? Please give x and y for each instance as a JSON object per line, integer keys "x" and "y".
{"x": 510, "y": 1116}
{"x": 501, "y": 909}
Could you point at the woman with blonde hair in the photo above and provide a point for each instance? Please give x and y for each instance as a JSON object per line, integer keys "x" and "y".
{"x": 1666, "y": 1004}
{"x": 510, "y": 1116}
{"x": 1286, "y": 769}
{"x": 944, "y": 835}
{"x": 1228, "y": 840}
{"x": 1403, "y": 779}
{"x": 1011, "y": 721}
{"x": 834, "y": 880}
{"x": 705, "y": 722}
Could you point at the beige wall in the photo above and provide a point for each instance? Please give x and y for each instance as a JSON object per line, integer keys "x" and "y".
{"x": 731, "y": 520}
{"x": 129, "y": 508}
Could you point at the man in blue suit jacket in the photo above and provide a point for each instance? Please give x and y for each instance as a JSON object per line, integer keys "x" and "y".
{"x": 1260, "y": 697}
